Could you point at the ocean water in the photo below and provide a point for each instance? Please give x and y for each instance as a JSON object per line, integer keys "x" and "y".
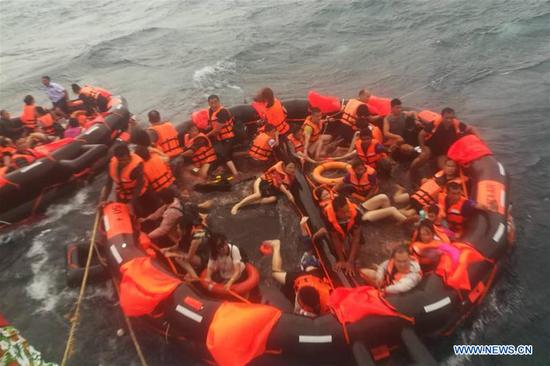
{"x": 488, "y": 59}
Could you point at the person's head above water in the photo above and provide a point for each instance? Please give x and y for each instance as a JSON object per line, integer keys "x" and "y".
{"x": 447, "y": 116}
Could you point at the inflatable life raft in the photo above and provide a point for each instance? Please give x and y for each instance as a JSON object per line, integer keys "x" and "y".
{"x": 435, "y": 307}
{"x": 30, "y": 189}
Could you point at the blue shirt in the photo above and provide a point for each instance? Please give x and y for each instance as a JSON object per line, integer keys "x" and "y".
{"x": 55, "y": 92}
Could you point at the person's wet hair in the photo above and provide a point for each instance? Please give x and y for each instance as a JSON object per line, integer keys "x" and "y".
{"x": 154, "y": 116}
{"x": 308, "y": 298}
{"x": 28, "y": 100}
{"x": 395, "y": 101}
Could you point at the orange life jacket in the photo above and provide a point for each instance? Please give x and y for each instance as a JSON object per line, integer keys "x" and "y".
{"x": 226, "y": 131}
{"x": 376, "y": 132}
{"x": 276, "y": 176}
{"x": 368, "y": 156}
{"x": 27, "y": 155}
{"x": 6, "y": 150}
{"x": 167, "y": 140}
{"x": 453, "y": 214}
{"x": 204, "y": 154}
{"x": 28, "y": 117}
{"x": 349, "y": 116}
{"x": 320, "y": 285}
{"x": 362, "y": 185}
{"x": 296, "y": 143}
{"x": 276, "y": 116}
{"x": 391, "y": 275}
{"x": 260, "y": 149}
{"x": 158, "y": 173}
{"x": 323, "y": 202}
{"x": 437, "y": 123}
{"x": 124, "y": 183}
{"x": 316, "y": 129}
{"x": 331, "y": 217}
{"x": 46, "y": 122}
{"x": 428, "y": 193}
{"x": 94, "y": 92}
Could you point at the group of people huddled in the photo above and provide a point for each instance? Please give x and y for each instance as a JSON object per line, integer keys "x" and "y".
{"x": 38, "y": 125}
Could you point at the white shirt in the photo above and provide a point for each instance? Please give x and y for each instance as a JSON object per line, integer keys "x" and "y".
{"x": 224, "y": 264}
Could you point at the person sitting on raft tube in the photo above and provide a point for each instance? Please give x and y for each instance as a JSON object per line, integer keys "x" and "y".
{"x": 275, "y": 113}
{"x": 164, "y": 135}
{"x": 343, "y": 227}
{"x": 221, "y": 134}
{"x": 225, "y": 264}
{"x": 269, "y": 185}
{"x": 198, "y": 147}
{"x": 264, "y": 143}
{"x": 314, "y": 139}
{"x": 438, "y": 135}
{"x": 457, "y": 209}
{"x": 47, "y": 123}
{"x": 126, "y": 171}
{"x": 93, "y": 98}
{"x": 57, "y": 94}
{"x": 430, "y": 189}
{"x": 307, "y": 288}
{"x": 10, "y": 127}
{"x": 22, "y": 157}
{"x": 73, "y": 129}
{"x": 351, "y": 110}
{"x": 28, "y": 116}
{"x": 428, "y": 244}
{"x": 401, "y": 132}
{"x": 399, "y": 274}
{"x": 7, "y": 149}
{"x": 157, "y": 171}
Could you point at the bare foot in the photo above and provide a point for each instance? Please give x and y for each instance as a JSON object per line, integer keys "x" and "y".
{"x": 304, "y": 220}
{"x": 234, "y": 210}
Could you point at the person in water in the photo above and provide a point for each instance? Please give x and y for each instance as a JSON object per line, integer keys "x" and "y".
{"x": 225, "y": 264}
{"x": 307, "y": 288}
{"x": 57, "y": 94}
{"x": 272, "y": 182}
{"x": 222, "y": 134}
{"x": 399, "y": 274}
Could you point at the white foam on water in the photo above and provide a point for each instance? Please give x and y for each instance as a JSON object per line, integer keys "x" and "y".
{"x": 57, "y": 212}
{"x": 214, "y": 76}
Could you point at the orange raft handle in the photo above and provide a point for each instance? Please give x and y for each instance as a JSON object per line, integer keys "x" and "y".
{"x": 317, "y": 173}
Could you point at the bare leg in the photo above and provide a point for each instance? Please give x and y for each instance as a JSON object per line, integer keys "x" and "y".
{"x": 382, "y": 213}
{"x": 369, "y": 275}
{"x": 232, "y": 168}
{"x": 421, "y": 159}
{"x": 277, "y": 262}
{"x": 401, "y": 196}
{"x": 203, "y": 171}
{"x": 378, "y": 201}
{"x": 255, "y": 197}
{"x": 441, "y": 159}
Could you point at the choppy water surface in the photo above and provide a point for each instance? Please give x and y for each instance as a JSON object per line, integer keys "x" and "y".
{"x": 490, "y": 60}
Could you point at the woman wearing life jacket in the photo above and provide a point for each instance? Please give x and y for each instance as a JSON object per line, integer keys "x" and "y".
{"x": 439, "y": 134}
{"x": 225, "y": 264}
{"x": 48, "y": 123}
{"x": 198, "y": 147}
{"x": 343, "y": 228}
{"x": 434, "y": 214}
{"x": 307, "y": 289}
{"x": 314, "y": 139}
{"x": 164, "y": 135}
{"x": 275, "y": 113}
{"x": 157, "y": 172}
{"x": 457, "y": 209}
{"x": 22, "y": 157}
{"x": 399, "y": 274}
{"x": 28, "y": 116}
{"x": 93, "y": 97}
{"x": 269, "y": 185}
{"x": 221, "y": 134}
{"x": 73, "y": 129}
{"x": 264, "y": 143}
{"x": 428, "y": 243}
{"x": 126, "y": 171}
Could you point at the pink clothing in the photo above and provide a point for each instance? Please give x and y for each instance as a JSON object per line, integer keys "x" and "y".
{"x": 72, "y": 132}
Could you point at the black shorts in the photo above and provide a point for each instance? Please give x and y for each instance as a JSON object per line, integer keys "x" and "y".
{"x": 344, "y": 131}
{"x": 267, "y": 189}
{"x": 61, "y": 104}
{"x": 224, "y": 150}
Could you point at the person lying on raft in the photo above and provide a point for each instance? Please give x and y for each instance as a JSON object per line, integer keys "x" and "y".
{"x": 430, "y": 189}
{"x": 276, "y": 179}
{"x": 225, "y": 264}
{"x": 307, "y": 288}
{"x": 199, "y": 148}
{"x": 314, "y": 139}
{"x": 264, "y": 143}
{"x": 343, "y": 228}
{"x": 399, "y": 274}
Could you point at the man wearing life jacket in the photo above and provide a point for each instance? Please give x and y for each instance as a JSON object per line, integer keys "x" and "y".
{"x": 126, "y": 171}
{"x": 362, "y": 178}
{"x": 343, "y": 227}
{"x": 22, "y": 157}
{"x": 157, "y": 172}
{"x": 296, "y": 139}
{"x": 314, "y": 139}
{"x": 438, "y": 135}
{"x": 269, "y": 185}
{"x": 48, "y": 123}
{"x": 308, "y": 289}
{"x": 399, "y": 274}
{"x": 199, "y": 148}
{"x": 263, "y": 144}
{"x": 57, "y": 94}
{"x": 92, "y": 97}
{"x": 351, "y": 110}
{"x": 10, "y": 127}
{"x": 164, "y": 135}
{"x": 222, "y": 134}
{"x": 275, "y": 113}
{"x": 28, "y": 116}
{"x": 457, "y": 209}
